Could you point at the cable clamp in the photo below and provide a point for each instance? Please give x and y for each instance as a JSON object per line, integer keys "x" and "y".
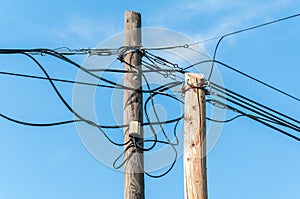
{"x": 135, "y": 136}
{"x": 189, "y": 86}
{"x": 124, "y": 50}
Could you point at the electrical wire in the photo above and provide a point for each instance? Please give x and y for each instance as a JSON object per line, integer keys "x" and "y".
{"x": 257, "y": 80}
{"x": 57, "y": 80}
{"x": 222, "y": 89}
{"x": 252, "y": 106}
{"x": 265, "y": 115}
{"x": 243, "y": 74}
{"x": 72, "y": 121}
{"x": 259, "y": 120}
{"x": 116, "y": 51}
{"x": 138, "y": 144}
{"x": 161, "y": 89}
{"x": 244, "y": 30}
{"x": 259, "y": 111}
{"x": 224, "y": 121}
{"x": 127, "y": 71}
{"x": 67, "y": 105}
{"x": 155, "y": 61}
{"x": 64, "y": 58}
{"x": 217, "y": 104}
{"x": 38, "y": 124}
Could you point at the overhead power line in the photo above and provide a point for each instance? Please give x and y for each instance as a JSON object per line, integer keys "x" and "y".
{"x": 258, "y": 119}
{"x": 243, "y": 74}
{"x": 131, "y": 143}
{"x": 263, "y": 114}
{"x": 153, "y": 63}
{"x": 244, "y": 30}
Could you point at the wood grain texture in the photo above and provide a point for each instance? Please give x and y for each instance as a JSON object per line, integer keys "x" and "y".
{"x": 132, "y": 105}
{"x": 195, "y": 184}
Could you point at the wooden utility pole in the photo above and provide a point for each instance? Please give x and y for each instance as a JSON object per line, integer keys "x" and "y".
{"x": 132, "y": 105}
{"x": 195, "y": 186}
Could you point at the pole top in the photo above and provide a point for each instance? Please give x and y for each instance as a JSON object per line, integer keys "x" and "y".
{"x": 132, "y": 12}
{"x": 133, "y": 17}
{"x": 194, "y": 76}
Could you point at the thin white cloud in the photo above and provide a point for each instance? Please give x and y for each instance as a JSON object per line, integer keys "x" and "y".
{"x": 191, "y": 9}
{"x": 243, "y": 16}
{"x": 208, "y": 6}
{"x": 239, "y": 15}
{"x": 80, "y": 29}
{"x": 235, "y": 10}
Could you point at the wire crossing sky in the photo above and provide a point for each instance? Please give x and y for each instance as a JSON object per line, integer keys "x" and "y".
{"x": 260, "y": 95}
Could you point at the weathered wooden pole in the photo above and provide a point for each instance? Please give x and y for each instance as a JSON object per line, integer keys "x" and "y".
{"x": 195, "y": 186}
{"x": 132, "y": 104}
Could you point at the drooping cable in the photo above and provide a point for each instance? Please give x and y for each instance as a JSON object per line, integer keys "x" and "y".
{"x": 244, "y": 74}
{"x": 244, "y": 30}
{"x": 67, "y": 105}
{"x": 259, "y": 120}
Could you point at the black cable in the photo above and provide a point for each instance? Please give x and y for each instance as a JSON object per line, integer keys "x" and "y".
{"x": 75, "y": 82}
{"x": 174, "y": 133}
{"x": 161, "y": 89}
{"x": 156, "y": 141}
{"x": 214, "y": 102}
{"x": 128, "y": 71}
{"x": 59, "y": 56}
{"x": 156, "y": 61}
{"x": 156, "y": 115}
{"x": 68, "y": 81}
{"x": 119, "y": 157}
{"x": 242, "y": 73}
{"x": 175, "y": 157}
{"x": 183, "y": 70}
{"x": 160, "y": 60}
{"x": 137, "y": 144}
{"x": 260, "y": 121}
{"x": 57, "y": 80}
{"x": 56, "y": 123}
{"x": 64, "y": 58}
{"x": 252, "y": 101}
{"x": 38, "y": 124}
{"x": 244, "y": 30}
{"x": 224, "y": 121}
{"x": 254, "y": 111}
{"x": 166, "y": 172}
{"x": 260, "y": 112}
{"x": 67, "y": 105}
{"x": 153, "y": 65}
{"x": 150, "y": 99}
{"x": 257, "y": 80}
{"x": 74, "y": 121}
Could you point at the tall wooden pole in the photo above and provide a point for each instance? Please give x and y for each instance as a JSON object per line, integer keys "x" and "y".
{"x": 195, "y": 138}
{"x": 132, "y": 104}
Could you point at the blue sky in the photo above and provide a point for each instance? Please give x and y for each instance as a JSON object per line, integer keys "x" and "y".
{"x": 248, "y": 161}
